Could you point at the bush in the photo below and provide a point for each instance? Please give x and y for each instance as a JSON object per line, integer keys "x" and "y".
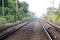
{"x": 2, "y": 21}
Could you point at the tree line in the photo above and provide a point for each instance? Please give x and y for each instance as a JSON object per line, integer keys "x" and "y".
{"x": 13, "y": 10}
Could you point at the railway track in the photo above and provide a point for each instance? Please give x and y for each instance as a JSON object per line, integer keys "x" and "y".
{"x": 9, "y": 30}
{"x": 2, "y": 28}
{"x": 31, "y": 31}
{"x": 46, "y": 32}
{"x": 38, "y": 29}
{"x": 52, "y": 29}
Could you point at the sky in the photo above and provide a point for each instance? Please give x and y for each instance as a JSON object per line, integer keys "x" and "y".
{"x": 39, "y": 6}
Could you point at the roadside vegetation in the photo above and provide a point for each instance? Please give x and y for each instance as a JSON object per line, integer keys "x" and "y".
{"x": 53, "y": 16}
{"x": 14, "y": 12}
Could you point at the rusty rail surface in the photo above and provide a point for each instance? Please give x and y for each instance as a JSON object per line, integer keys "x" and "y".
{"x": 53, "y": 25}
{"x": 46, "y": 32}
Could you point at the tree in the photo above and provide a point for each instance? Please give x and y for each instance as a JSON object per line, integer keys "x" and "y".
{"x": 58, "y": 14}
{"x": 17, "y": 9}
{"x": 24, "y": 5}
{"x": 3, "y": 7}
{"x": 14, "y": 11}
{"x": 0, "y": 2}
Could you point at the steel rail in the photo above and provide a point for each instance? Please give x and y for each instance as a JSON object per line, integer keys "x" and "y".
{"x": 46, "y": 32}
{"x": 53, "y": 25}
{"x": 9, "y": 26}
{"x": 9, "y": 31}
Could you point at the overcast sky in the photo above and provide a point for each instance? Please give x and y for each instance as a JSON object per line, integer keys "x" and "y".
{"x": 39, "y": 6}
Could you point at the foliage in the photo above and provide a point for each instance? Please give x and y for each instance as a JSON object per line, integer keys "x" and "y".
{"x": 10, "y": 12}
{"x": 54, "y": 17}
{"x": 0, "y": 11}
{"x": 58, "y": 14}
{"x": 24, "y": 5}
{"x": 2, "y": 20}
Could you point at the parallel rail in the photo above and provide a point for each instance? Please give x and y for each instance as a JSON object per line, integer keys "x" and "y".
{"x": 46, "y": 32}
{"x": 53, "y": 26}
{"x": 2, "y": 28}
{"x": 12, "y": 29}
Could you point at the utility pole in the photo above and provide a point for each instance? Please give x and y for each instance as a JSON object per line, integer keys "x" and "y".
{"x": 17, "y": 10}
{"x": 53, "y": 5}
{"x": 53, "y": 9}
{"x": 3, "y": 7}
{"x": 59, "y": 6}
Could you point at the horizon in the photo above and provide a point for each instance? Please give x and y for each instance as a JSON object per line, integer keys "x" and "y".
{"x": 39, "y": 7}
